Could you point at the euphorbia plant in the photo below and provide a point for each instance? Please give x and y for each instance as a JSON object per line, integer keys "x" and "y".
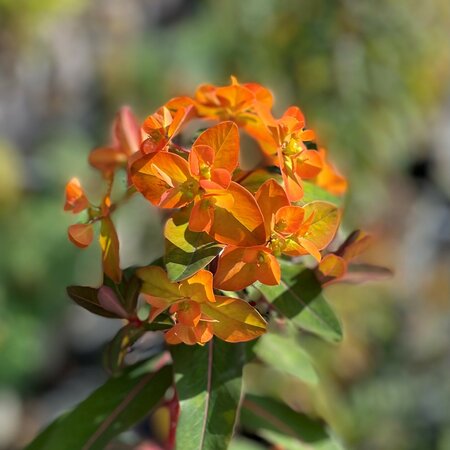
{"x": 246, "y": 258}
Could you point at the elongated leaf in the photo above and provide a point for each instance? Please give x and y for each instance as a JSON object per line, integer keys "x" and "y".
{"x": 87, "y": 297}
{"x": 208, "y": 382}
{"x": 281, "y": 425}
{"x": 186, "y": 251}
{"x": 361, "y": 273}
{"x": 109, "y": 243}
{"x": 272, "y": 349}
{"x": 299, "y": 297}
{"x": 114, "y": 407}
{"x": 115, "y": 352}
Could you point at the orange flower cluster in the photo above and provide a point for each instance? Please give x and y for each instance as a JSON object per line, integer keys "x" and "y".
{"x": 253, "y": 217}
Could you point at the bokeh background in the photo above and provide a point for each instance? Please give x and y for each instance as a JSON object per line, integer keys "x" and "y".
{"x": 373, "y": 79}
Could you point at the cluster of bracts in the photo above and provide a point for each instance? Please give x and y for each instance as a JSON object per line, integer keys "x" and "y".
{"x": 248, "y": 219}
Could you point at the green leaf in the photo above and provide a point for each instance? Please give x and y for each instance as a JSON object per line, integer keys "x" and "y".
{"x": 132, "y": 290}
{"x": 113, "y": 408}
{"x": 312, "y": 192}
{"x": 285, "y": 354}
{"x": 209, "y": 383}
{"x": 281, "y": 425}
{"x": 299, "y": 298}
{"x": 115, "y": 352}
{"x": 186, "y": 252}
{"x": 87, "y": 298}
{"x": 245, "y": 444}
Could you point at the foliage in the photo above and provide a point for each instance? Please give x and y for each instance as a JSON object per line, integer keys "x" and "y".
{"x": 235, "y": 269}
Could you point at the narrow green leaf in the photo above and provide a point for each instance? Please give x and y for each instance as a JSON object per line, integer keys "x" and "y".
{"x": 299, "y": 298}
{"x": 186, "y": 252}
{"x": 131, "y": 295}
{"x": 272, "y": 349}
{"x": 281, "y": 425}
{"x": 87, "y": 298}
{"x": 113, "y": 408}
{"x": 209, "y": 382}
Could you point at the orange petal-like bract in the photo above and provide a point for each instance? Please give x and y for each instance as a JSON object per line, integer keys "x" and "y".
{"x": 234, "y": 320}
{"x": 238, "y": 222}
{"x": 240, "y": 267}
{"x": 164, "y": 179}
{"x": 76, "y": 200}
{"x": 271, "y": 197}
{"x": 332, "y": 266}
{"x": 81, "y": 234}
{"x": 223, "y": 139}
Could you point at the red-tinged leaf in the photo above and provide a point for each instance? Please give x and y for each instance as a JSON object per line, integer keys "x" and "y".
{"x": 107, "y": 159}
{"x": 81, "y": 234}
{"x": 239, "y": 223}
{"x": 361, "y": 273}
{"x": 331, "y": 268}
{"x": 108, "y": 300}
{"x": 354, "y": 245}
{"x": 87, "y": 297}
{"x": 271, "y": 197}
{"x": 127, "y": 131}
{"x": 325, "y": 222}
{"x": 163, "y": 178}
{"x": 76, "y": 200}
{"x": 224, "y": 141}
{"x": 234, "y": 320}
{"x": 240, "y": 267}
{"x": 109, "y": 243}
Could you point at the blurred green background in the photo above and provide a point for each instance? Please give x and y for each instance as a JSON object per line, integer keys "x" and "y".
{"x": 373, "y": 79}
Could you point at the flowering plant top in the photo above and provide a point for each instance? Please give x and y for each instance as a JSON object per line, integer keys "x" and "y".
{"x": 228, "y": 228}
{"x": 234, "y": 270}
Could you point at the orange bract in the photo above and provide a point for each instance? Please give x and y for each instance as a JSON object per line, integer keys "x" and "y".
{"x": 76, "y": 200}
{"x": 197, "y": 313}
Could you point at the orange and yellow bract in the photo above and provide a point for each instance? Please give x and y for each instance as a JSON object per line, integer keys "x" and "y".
{"x": 249, "y": 228}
